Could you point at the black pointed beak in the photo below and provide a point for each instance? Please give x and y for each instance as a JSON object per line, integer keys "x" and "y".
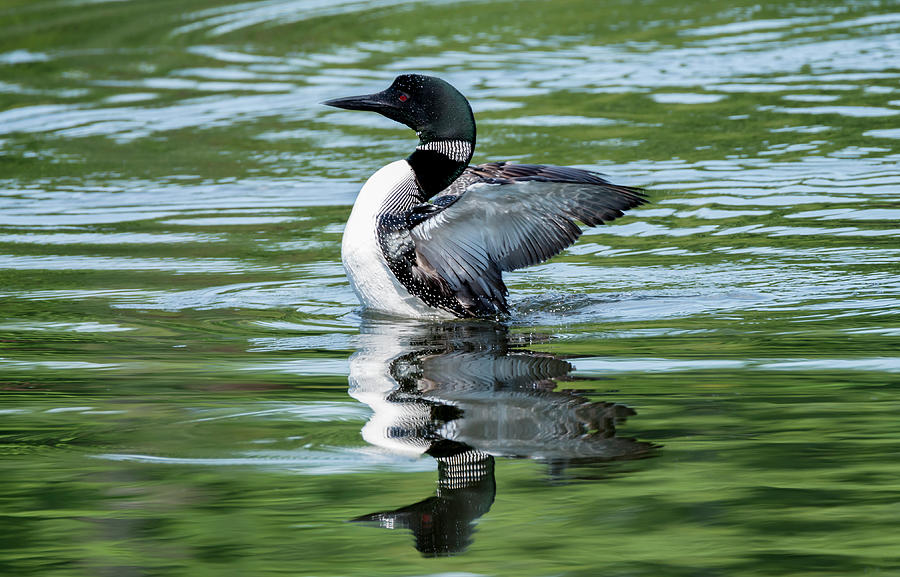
{"x": 385, "y": 103}
{"x": 374, "y": 102}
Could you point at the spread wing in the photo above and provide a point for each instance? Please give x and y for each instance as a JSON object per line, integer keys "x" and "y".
{"x": 500, "y": 217}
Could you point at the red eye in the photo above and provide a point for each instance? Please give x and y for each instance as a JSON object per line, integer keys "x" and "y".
{"x": 403, "y": 98}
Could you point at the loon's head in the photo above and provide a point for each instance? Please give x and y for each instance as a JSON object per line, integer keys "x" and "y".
{"x": 428, "y": 105}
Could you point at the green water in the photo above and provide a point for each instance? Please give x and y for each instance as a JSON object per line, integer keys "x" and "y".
{"x": 708, "y": 386}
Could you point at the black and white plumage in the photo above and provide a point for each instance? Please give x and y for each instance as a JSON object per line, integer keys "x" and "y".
{"x": 407, "y": 255}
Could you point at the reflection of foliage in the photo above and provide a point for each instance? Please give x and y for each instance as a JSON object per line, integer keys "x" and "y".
{"x": 145, "y": 48}
{"x": 771, "y": 472}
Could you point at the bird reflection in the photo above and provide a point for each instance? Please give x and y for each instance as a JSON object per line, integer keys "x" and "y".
{"x": 463, "y": 393}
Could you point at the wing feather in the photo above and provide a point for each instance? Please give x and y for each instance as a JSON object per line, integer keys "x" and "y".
{"x": 500, "y": 217}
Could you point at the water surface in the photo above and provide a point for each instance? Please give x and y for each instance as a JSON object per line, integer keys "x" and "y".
{"x": 707, "y": 386}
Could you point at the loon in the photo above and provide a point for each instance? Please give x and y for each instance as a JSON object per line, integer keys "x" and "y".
{"x": 429, "y": 236}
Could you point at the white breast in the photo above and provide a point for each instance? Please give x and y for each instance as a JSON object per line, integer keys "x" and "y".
{"x": 373, "y": 282}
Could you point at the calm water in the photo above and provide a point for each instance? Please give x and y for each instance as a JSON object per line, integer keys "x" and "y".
{"x": 708, "y": 386}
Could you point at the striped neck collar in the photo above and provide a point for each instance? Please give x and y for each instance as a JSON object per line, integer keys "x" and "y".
{"x": 438, "y": 163}
{"x": 456, "y": 150}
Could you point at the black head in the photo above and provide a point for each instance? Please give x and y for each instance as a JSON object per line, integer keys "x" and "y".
{"x": 428, "y": 105}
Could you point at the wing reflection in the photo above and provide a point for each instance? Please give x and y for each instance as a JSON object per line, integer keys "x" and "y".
{"x": 464, "y": 392}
